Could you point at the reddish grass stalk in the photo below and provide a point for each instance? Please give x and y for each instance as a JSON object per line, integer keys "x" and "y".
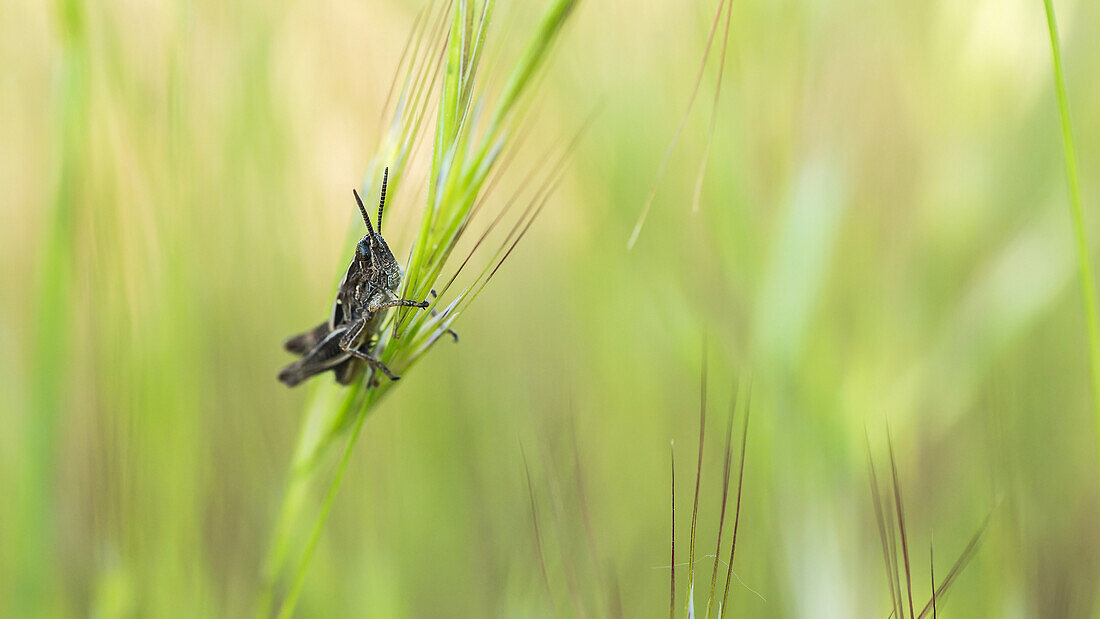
{"x": 698, "y": 474}
{"x": 676, "y": 136}
{"x": 932, "y": 570}
{"x": 901, "y": 524}
{"x": 582, "y": 502}
{"x": 880, "y": 519}
{"x": 725, "y": 495}
{"x": 672, "y": 578}
{"x": 713, "y": 113}
{"x": 535, "y": 525}
{"x": 740, "y": 485}
{"x": 957, "y": 568}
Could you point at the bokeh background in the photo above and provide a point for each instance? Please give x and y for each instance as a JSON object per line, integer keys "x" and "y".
{"x": 882, "y": 236}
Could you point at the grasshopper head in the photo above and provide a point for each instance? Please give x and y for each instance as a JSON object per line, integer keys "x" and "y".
{"x": 376, "y": 257}
{"x": 372, "y": 251}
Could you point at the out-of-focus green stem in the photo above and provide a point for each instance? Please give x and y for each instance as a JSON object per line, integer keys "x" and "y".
{"x": 287, "y": 608}
{"x": 310, "y": 449}
{"x": 50, "y": 361}
{"x": 1088, "y": 290}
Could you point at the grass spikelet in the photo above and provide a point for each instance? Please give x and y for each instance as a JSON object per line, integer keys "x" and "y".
{"x": 464, "y": 156}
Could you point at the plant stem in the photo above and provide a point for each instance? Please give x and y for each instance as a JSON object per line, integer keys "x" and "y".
{"x": 1088, "y": 290}
{"x": 287, "y": 608}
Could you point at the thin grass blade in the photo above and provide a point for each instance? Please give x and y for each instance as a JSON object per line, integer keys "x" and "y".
{"x": 672, "y": 527}
{"x": 932, "y": 570}
{"x": 698, "y": 473}
{"x": 880, "y": 519}
{"x": 713, "y": 113}
{"x": 740, "y": 486}
{"x": 1077, "y": 213}
{"x": 725, "y": 494}
{"x": 901, "y": 524}
{"x": 960, "y": 564}
{"x": 676, "y": 135}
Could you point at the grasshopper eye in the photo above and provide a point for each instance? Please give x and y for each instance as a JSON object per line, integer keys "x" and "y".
{"x": 364, "y": 247}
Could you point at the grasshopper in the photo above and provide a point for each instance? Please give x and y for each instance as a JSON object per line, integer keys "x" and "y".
{"x": 345, "y": 341}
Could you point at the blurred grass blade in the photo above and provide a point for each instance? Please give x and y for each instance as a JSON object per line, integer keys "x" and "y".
{"x": 414, "y": 36}
{"x": 287, "y": 608}
{"x": 672, "y": 527}
{"x": 892, "y": 538}
{"x": 698, "y": 477}
{"x": 880, "y": 520}
{"x": 1084, "y": 260}
{"x": 737, "y": 503}
{"x": 532, "y": 59}
{"x": 676, "y": 135}
{"x": 697, "y": 194}
{"x": 586, "y": 521}
{"x": 535, "y": 528}
{"x": 725, "y": 495}
{"x": 49, "y": 372}
{"x": 960, "y": 564}
{"x": 901, "y": 522}
{"x": 932, "y": 570}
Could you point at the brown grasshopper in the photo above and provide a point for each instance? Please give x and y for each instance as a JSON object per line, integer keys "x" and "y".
{"x": 344, "y": 342}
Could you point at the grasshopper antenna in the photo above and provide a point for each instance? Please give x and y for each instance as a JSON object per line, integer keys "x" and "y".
{"x": 363, "y": 210}
{"x": 382, "y": 200}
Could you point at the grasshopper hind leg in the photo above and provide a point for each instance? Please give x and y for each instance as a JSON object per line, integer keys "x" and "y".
{"x": 326, "y": 355}
{"x": 347, "y": 372}
{"x": 350, "y": 342}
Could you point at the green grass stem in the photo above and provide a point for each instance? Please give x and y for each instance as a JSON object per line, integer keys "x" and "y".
{"x": 1077, "y": 212}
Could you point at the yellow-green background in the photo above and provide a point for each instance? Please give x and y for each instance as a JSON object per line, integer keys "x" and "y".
{"x": 883, "y": 234}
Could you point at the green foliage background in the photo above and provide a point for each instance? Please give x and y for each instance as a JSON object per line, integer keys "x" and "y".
{"x": 882, "y": 234}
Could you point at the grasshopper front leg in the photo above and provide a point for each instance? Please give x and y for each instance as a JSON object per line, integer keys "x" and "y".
{"x": 377, "y": 306}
